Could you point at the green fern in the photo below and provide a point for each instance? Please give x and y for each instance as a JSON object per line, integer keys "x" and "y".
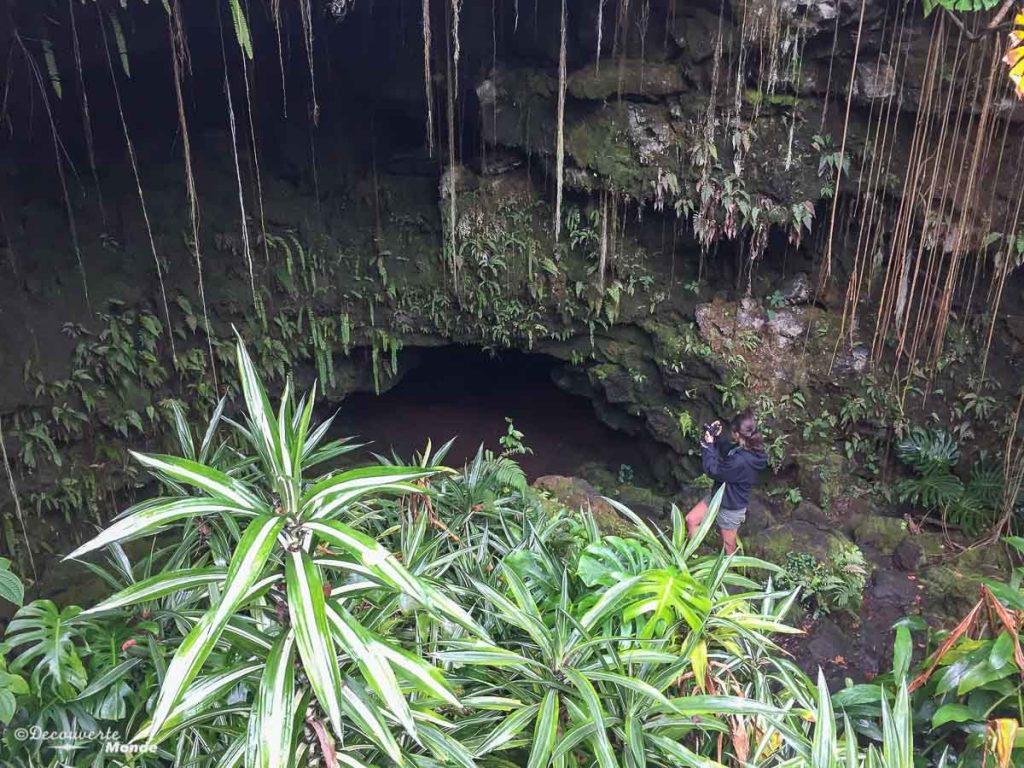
{"x": 51, "y": 67}
{"x": 241, "y": 28}
{"x": 122, "y": 44}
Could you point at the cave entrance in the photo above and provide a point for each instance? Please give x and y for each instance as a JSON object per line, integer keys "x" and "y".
{"x": 466, "y": 393}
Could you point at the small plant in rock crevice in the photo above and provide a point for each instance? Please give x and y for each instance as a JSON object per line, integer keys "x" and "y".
{"x": 833, "y": 584}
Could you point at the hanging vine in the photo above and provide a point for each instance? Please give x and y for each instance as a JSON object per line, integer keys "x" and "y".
{"x": 180, "y": 63}
{"x": 428, "y": 85}
{"x": 138, "y": 181}
{"x": 560, "y": 139}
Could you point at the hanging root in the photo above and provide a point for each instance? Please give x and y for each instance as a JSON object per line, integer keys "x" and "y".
{"x": 17, "y": 502}
{"x": 307, "y": 38}
{"x": 180, "y": 61}
{"x": 138, "y": 180}
{"x": 560, "y": 145}
{"x": 238, "y": 168}
{"x": 428, "y": 85}
{"x": 86, "y": 118}
{"x": 69, "y": 211}
{"x": 275, "y": 12}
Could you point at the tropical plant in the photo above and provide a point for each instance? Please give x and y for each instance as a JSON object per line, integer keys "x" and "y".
{"x": 11, "y": 588}
{"x": 835, "y": 583}
{"x": 411, "y": 615}
{"x": 966, "y": 691}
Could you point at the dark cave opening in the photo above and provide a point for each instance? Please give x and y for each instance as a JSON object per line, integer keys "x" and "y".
{"x": 465, "y": 393}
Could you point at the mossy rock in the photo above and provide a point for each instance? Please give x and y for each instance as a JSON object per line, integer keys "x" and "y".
{"x": 775, "y": 543}
{"x": 952, "y": 588}
{"x": 949, "y": 592}
{"x": 883, "y": 534}
{"x": 823, "y": 476}
{"x": 643, "y": 501}
{"x": 629, "y": 77}
{"x": 578, "y": 495}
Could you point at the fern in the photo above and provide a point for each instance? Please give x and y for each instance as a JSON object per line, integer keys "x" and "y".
{"x": 51, "y": 67}
{"x": 928, "y": 451}
{"x": 241, "y": 28}
{"x": 122, "y": 45}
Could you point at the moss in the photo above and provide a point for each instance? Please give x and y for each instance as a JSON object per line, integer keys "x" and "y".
{"x": 642, "y": 501}
{"x": 775, "y": 543}
{"x": 600, "y": 143}
{"x": 881, "y": 533}
{"x": 949, "y": 592}
{"x": 755, "y": 98}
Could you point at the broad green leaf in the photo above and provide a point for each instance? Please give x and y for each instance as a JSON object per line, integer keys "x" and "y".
{"x": 953, "y": 713}
{"x": 1002, "y": 652}
{"x": 11, "y": 588}
{"x": 246, "y": 567}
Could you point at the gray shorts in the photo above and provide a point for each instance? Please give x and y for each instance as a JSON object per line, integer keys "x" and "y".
{"x": 728, "y": 519}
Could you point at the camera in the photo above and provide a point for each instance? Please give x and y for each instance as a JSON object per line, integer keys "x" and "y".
{"x": 714, "y": 429}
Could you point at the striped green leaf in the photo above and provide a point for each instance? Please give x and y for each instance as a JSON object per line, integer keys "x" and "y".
{"x": 592, "y": 706}
{"x": 508, "y": 729}
{"x": 333, "y": 494}
{"x": 245, "y": 568}
{"x": 376, "y": 671}
{"x": 159, "y": 586}
{"x": 150, "y": 518}
{"x": 308, "y": 611}
{"x": 212, "y": 481}
{"x": 375, "y": 558}
{"x": 426, "y": 677}
{"x": 200, "y": 697}
{"x": 265, "y": 429}
{"x": 545, "y": 732}
{"x": 273, "y": 712}
{"x": 823, "y": 746}
{"x": 367, "y": 717}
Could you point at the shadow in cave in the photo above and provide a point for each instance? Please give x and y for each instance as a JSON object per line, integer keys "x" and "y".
{"x": 464, "y": 393}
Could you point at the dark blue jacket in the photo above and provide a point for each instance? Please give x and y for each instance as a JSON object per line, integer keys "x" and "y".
{"x": 737, "y": 467}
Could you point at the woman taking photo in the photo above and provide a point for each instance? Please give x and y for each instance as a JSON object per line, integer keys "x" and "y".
{"x": 734, "y": 463}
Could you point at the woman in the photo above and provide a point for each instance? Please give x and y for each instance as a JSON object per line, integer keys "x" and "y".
{"x": 735, "y": 464}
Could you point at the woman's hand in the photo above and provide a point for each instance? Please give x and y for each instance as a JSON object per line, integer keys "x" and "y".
{"x": 709, "y": 437}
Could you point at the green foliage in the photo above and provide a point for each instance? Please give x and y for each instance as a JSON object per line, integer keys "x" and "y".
{"x": 967, "y": 687}
{"x": 242, "y": 34}
{"x": 928, "y": 450}
{"x": 973, "y": 505}
{"x": 837, "y": 583}
{"x": 967, "y": 6}
{"x": 512, "y": 441}
{"x": 405, "y": 615}
{"x": 11, "y": 588}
